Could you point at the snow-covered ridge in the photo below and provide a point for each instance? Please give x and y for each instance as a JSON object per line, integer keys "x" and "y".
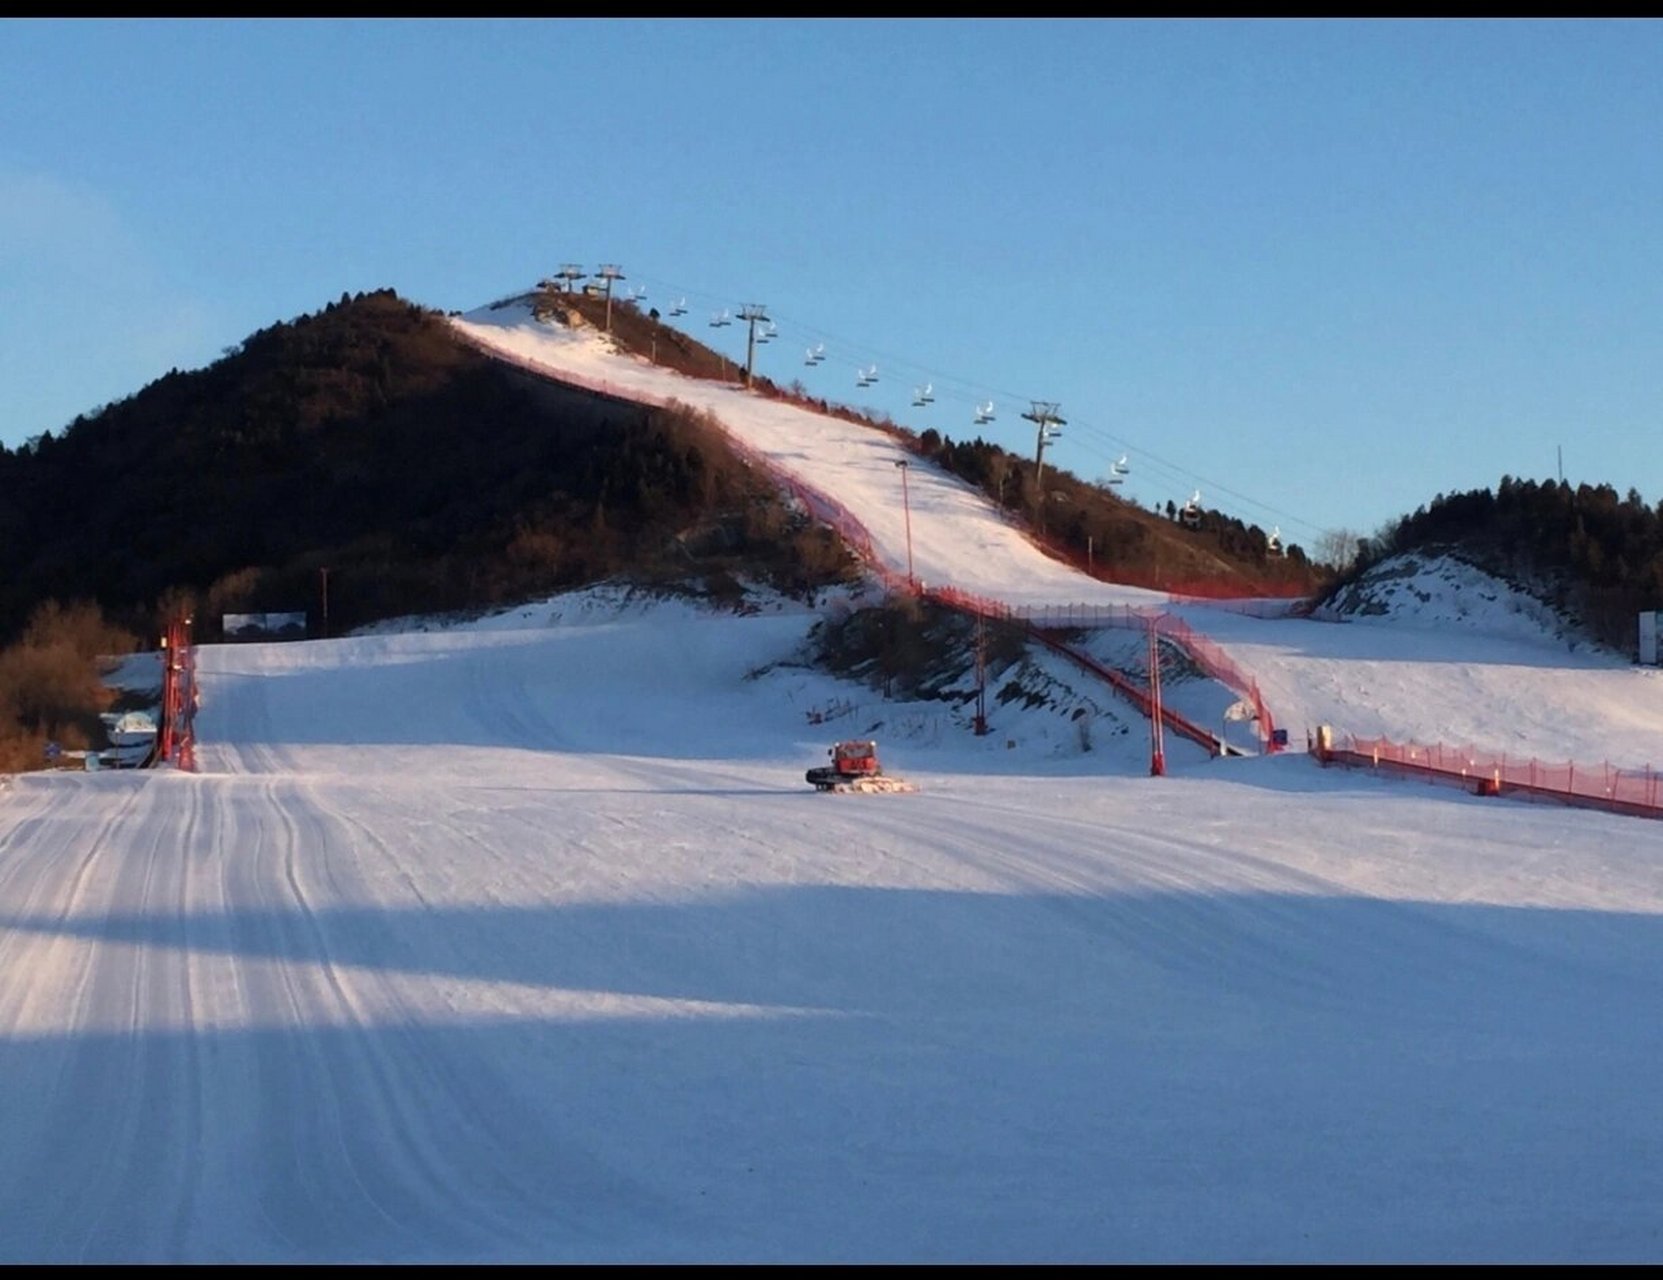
{"x": 1442, "y": 590}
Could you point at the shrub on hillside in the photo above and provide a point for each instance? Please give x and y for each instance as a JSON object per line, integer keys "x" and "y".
{"x": 51, "y": 682}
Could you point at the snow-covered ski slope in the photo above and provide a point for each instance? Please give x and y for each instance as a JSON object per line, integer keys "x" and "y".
{"x": 526, "y": 941}
{"x": 1460, "y": 660}
{"x": 958, "y": 538}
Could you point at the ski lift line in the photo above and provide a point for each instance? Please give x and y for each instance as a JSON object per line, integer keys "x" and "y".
{"x": 1186, "y": 479}
{"x": 713, "y": 300}
{"x": 824, "y": 342}
{"x": 979, "y": 395}
{"x": 1123, "y": 445}
{"x": 1190, "y": 478}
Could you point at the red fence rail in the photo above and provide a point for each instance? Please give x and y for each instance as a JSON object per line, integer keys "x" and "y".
{"x": 1202, "y": 651}
{"x": 176, "y": 735}
{"x": 1638, "y": 792}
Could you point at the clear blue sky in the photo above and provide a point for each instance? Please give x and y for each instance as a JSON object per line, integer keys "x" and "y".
{"x": 1321, "y": 271}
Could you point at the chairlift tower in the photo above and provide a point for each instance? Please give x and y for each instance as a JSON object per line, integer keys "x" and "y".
{"x": 1046, "y": 421}
{"x": 570, "y": 273}
{"x": 752, "y": 312}
{"x": 609, "y": 272}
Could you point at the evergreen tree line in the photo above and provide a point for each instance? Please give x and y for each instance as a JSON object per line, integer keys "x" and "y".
{"x": 1593, "y": 553}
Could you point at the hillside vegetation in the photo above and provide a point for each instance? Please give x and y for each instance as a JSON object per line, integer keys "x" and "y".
{"x": 1594, "y": 555}
{"x": 366, "y": 441}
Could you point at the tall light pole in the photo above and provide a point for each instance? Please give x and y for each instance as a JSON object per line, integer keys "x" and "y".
{"x": 906, "y": 508}
{"x": 752, "y": 311}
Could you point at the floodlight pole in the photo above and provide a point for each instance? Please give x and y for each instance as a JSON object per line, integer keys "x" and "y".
{"x": 906, "y": 507}
{"x": 753, "y": 312}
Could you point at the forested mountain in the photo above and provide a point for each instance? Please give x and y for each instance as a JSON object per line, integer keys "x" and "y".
{"x": 365, "y": 440}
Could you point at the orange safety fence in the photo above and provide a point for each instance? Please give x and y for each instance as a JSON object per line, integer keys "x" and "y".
{"x": 1604, "y": 785}
{"x": 1203, "y": 652}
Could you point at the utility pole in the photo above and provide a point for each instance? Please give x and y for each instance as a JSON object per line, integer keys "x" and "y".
{"x": 753, "y": 312}
{"x": 1046, "y": 421}
{"x": 609, "y": 273}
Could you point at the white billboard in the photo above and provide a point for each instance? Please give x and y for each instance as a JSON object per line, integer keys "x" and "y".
{"x": 263, "y": 626}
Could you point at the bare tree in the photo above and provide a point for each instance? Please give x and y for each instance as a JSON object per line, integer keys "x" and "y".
{"x": 1337, "y": 548}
